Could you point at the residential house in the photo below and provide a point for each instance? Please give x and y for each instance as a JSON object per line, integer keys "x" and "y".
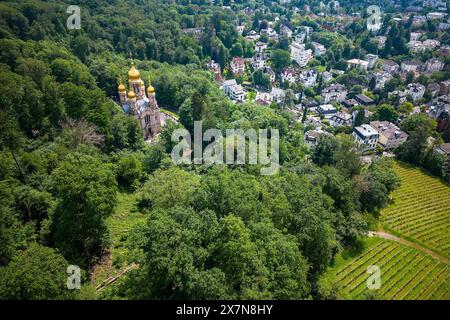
{"x": 435, "y": 89}
{"x": 391, "y": 136}
{"x": 415, "y": 46}
{"x": 341, "y": 119}
{"x": 315, "y": 122}
{"x": 240, "y": 29}
{"x": 309, "y": 30}
{"x": 366, "y": 137}
{"x": 416, "y": 91}
{"x": 326, "y": 111}
{"x": 300, "y": 37}
{"x": 350, "y": 103}
{"x": 215, "y": 67}
{"x": 401, "y": 95}
{"x": 434, "y": 65}
{"x": 438, "y": 106}
{"x": 260, "y": 47}
{"x": 237, "y": 66}
{"x": 358, "y": 63}
{"x": 444, "y": 150}
{"x": 419, "y": 21}
{"x": 364, "y": 100}
{"x": 286, "y": 32}
{"x": 436, "y": 15}
{"x": 263, "y": 98}
{"x": 380, "y": 79}
{"x": 327, "y": 76}
{"x": 289, "y": 75}
{"x": 248, "y": 11}
{"x": 268, "y": 71}
{"x": 390, "y": 66}
{"x": 419, "y": 46}
{"x": 312, "y": 137}
{"x": 252, "y": 35}
{"x": 415, "y": 36}
{"x": 372, "y": 60}
{"x": 431, "y": 44}
{"x": 445, "y": 87}
{"x": 434, "y": 4}
{"x": 195, "y": 32}
{"x": 234, "y": 91}
{"x": 259, "y": 61}
{"x": 300, "y": 55}
{"x": 319, "y": 49}
{"x": 271, "y": 33}
{"x": 277, "y": 95}
{"x": 308, "y": 78}
{"x": 411, "y": 66}
{"x": 444, "y": 51}
{"x": 443, "y": 26}
{"x": 336, "y": 92}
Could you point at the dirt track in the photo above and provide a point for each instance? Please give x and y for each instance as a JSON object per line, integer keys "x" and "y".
{"x": 388, "y": 236}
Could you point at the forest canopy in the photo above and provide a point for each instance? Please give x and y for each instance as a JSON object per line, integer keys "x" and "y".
{"x": 67, "y": 150}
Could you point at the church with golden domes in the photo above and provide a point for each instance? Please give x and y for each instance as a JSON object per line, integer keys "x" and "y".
{"x": 141, "y": 103}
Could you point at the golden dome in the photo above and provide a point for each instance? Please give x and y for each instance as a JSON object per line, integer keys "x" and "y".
{"x": 122, "y": 87}
{"x": 131, "y": 94}
{"x": 150, "y": 89}
{"x": 134, "y": 74}
{"x": 142, "y": 83}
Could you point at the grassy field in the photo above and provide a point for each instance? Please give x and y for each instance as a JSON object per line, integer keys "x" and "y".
{"x": 120, "y": 223}
{"x": 406, "y": 273}
{"x": 420, "y": 211}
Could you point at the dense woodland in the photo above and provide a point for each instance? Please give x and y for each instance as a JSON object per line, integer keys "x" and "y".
{"x": 66, "y": 148}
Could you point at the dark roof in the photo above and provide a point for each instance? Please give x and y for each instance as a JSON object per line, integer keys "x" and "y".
{"x": 364, "y": 99}
{"x": 445, "y": 147}
{"x": 350, "y": 102}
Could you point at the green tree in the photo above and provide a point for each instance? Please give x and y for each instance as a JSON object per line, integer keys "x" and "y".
{"x": 237, "y": 50}
{"x": 435, "y": 163}
{"x": 373, "y": 195}
{"x": 382, "y": 171}
{"x": 86, "y": 195}
{"x": 126, "y": 133}
{"x": 261, "y": 79}
{"x": 413, "y": 150}
{"x": 419, "y": 120}
{"x": 386, "y": 112}
{"x": 360, "y": 117}
{"x": 38, "y": 273}
{"x": 169, "y": 188}
{"x": 325, "y": 149}
{"x": 280, "y": 59}
{"x": 129, "y": 169}
{"x": 406, "y": 108}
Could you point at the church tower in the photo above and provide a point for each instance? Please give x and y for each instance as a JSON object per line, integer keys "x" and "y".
{"x": 122, "y": 93}
{"x": 153, "y": 104}
{"x": 141, "y": 103}
{"x": 134, "y": 79}
{"x": 132, "y": 102}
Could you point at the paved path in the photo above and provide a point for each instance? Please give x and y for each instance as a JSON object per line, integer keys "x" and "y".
{"x": 388, "y": 236}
